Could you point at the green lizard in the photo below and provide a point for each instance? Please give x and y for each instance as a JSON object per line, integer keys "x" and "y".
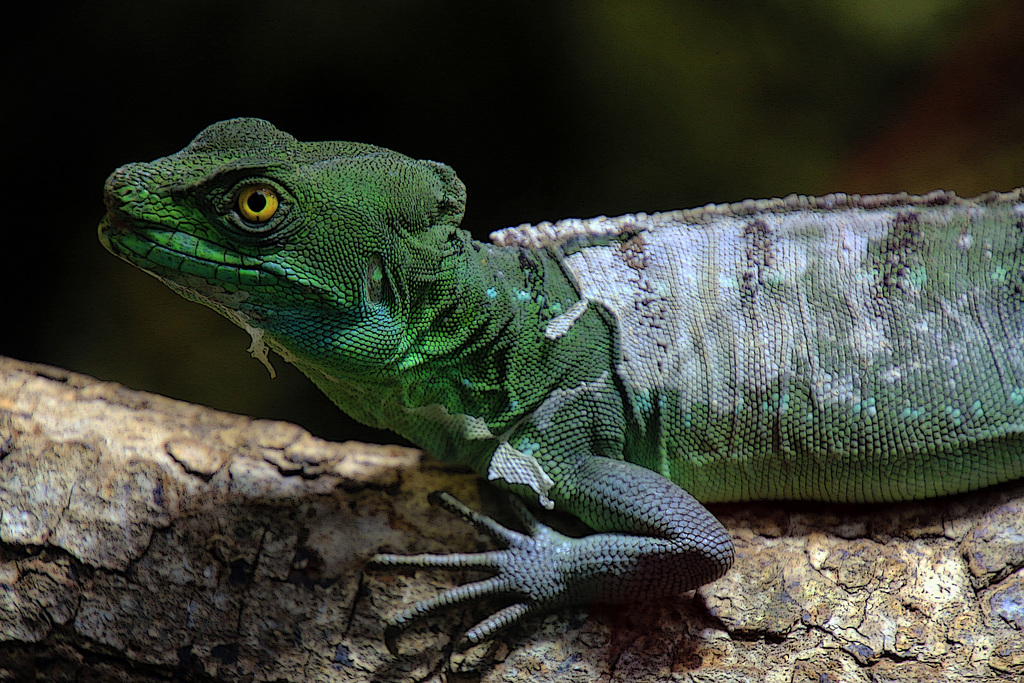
{"x": 840, "y": 348}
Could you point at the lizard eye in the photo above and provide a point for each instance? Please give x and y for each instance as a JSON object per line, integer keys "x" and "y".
{"x": 257, "y": 203}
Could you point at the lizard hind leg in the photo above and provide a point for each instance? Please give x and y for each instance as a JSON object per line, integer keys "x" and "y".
{"x": 654, "y": 541}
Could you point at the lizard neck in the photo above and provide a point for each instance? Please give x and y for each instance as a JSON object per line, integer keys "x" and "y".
{"x": 479, "y": 346}
{"x": 477, "y": 357}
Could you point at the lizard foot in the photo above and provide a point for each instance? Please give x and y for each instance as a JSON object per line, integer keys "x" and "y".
{"x": 530, "y": 569}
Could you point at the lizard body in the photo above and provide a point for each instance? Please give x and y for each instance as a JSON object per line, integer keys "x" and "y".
{"x": 840, "y": 348}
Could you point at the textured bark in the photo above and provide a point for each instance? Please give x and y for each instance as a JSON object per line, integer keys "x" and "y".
{"x": 143, "y": 538}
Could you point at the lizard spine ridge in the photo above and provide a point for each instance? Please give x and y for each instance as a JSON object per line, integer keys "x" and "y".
{"x": 551, "y": 235}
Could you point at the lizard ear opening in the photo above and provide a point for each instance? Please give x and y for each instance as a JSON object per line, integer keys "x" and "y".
{"x": 376, "y": 285}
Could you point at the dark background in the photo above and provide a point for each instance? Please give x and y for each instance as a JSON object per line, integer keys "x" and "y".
{"x": 546, "y": 110}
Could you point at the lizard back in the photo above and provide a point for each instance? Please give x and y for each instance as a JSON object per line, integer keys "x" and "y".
{"x": 849, "y": 348}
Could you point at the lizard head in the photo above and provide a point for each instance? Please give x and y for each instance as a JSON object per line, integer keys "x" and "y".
{"x": 317, "y": 248}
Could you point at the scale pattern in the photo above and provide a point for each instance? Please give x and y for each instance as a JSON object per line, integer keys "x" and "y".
{"x": 871, "y": 350}
{"x": 623, "y": 370}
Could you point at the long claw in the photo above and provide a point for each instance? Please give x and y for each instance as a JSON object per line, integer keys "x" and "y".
{"x": 506, "y": 616}
{"x": 499, "y": 561}
{"x": 449, "y": 598}
{"x": 527, "y": 518}
{"x": 481, "y": 521}
{"x": 487, "y": 560}
{"x": 431, "y": 560}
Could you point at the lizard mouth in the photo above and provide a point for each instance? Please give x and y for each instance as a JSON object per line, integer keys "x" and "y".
{"x": 140, "y": 243}
{"x": 140, "y": 229}
{"x": 136, "y": 240}
{"x": 192, "y": 267}
{"x": 124, "y": 238}
{"x": 151, "y": 247}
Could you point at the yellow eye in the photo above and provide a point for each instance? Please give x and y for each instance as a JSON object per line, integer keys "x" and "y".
{"x": 257, "y": 203}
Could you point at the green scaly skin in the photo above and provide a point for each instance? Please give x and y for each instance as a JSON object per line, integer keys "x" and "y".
{"x": 362, "y": 280}
{"x": 834, "y": 350}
